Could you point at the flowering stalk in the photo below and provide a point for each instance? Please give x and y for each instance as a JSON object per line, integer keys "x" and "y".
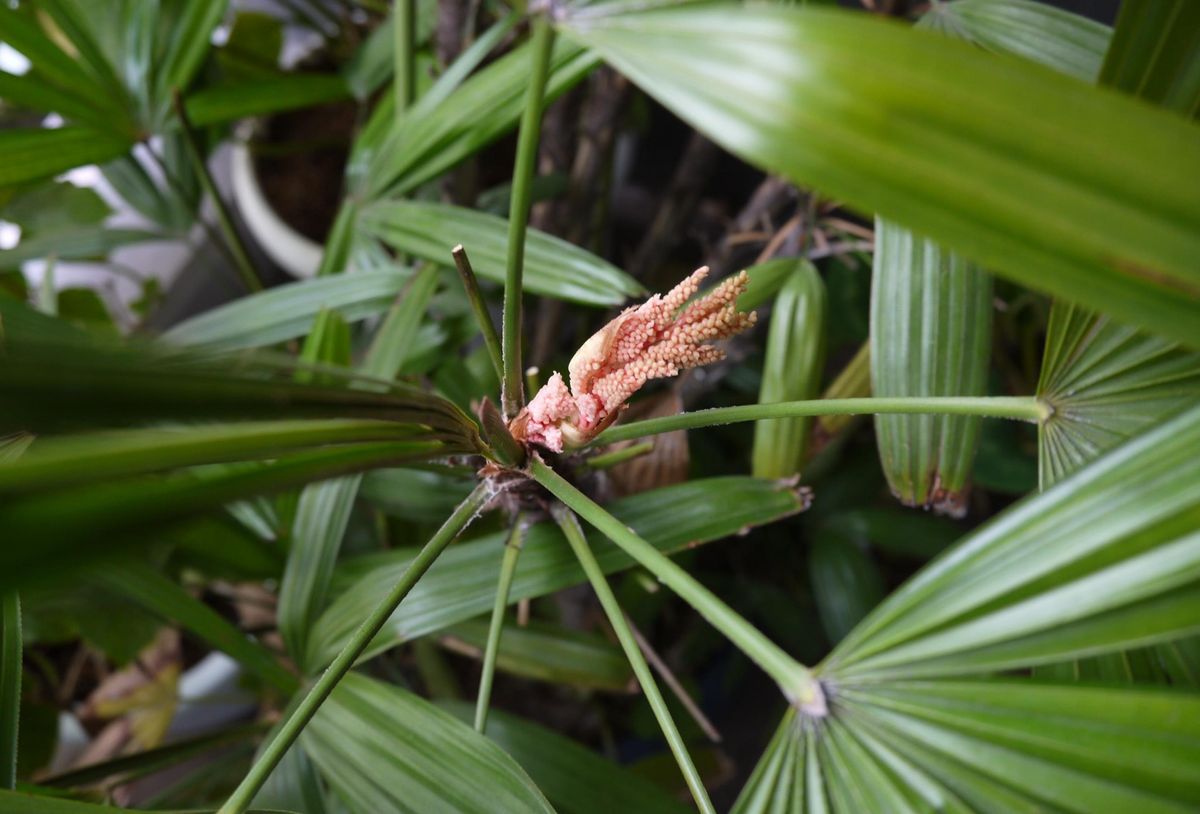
{"x": 654, "y": 340}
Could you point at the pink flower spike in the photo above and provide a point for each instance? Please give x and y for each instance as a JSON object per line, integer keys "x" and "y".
{"x": 654, "y": 340}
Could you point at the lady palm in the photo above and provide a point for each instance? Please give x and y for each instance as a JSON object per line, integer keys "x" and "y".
{"x": 958, "y": 692}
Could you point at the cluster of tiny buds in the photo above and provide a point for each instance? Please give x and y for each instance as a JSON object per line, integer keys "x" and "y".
{"x": 657, "y": 339}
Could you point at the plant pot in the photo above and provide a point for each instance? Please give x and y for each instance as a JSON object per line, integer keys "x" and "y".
{"x": 287, "y": 176}
{"x": 293, "y": 252}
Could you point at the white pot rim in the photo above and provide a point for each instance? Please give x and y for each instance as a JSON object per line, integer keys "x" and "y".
{"x": 292, "y": 251}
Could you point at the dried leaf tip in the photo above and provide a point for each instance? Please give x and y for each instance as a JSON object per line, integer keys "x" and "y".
{"x": 655, "y": 340}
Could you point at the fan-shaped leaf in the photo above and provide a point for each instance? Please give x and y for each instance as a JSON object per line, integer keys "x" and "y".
{"x": 24, "y": 802}
{"x": 58, "y": 462}
{"x": 1106, "y": 559}
{"x": 1106, "y": 383}
{"x": 46, "y": 373}
{"x": 382, "y": 748}
{"x": 996, "y": 746}
{"x": 187, "y": 45}
{"x": 224, "y": 103}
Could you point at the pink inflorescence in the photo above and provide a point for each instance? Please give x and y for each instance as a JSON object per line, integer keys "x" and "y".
{"x": 653, "y": 340}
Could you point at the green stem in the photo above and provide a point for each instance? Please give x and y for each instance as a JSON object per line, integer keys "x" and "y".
{"x": 10, "y": 687}
{"x": 1020, "y": 408}
{"x": 337, "y": 244}
{"x": 796, "y": 681}
{"x": 303, "y": 712}
{"x": 508, "y": 567}
{"x": 853, "y": 382}
{"x": 607, "y": 460}
{"x": 232, "y": 239}
{"x": 616, "y": 617}
{"x": 404, "y": 27}
{"x": 478, "y": 307}
{"x": 512, "y": 396}
{"x": 404, "y": 59}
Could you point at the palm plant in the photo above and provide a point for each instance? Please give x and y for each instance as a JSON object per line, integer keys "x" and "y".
{"x": 960, "y": 691}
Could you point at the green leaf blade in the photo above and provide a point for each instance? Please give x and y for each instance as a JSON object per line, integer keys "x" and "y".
{"x": 462, "y": 584}
{"x": 1119, "y": 538}
{"x": 1058, "y": 39}
{"x": 553, "y": 267}
{"x": 34, "y": 153}
{"x": 219, "y": 104}
{"x": 930, "y": 336}
{"x": 1052, "y": 184}
{"x": 795, "y": 360}
{"x": 385, "y": 749}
